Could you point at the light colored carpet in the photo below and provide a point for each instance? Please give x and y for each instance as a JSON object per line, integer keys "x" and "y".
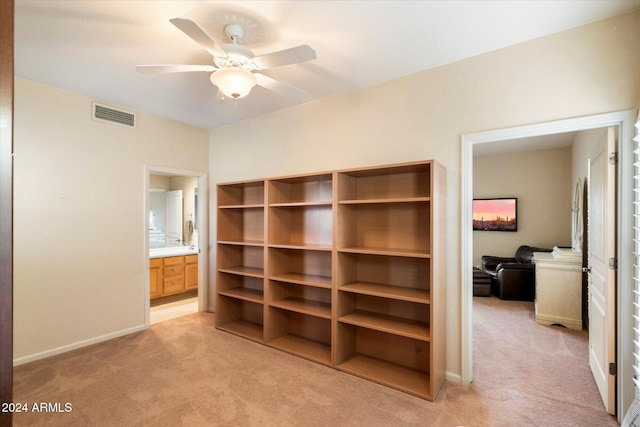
{"x": 184, "y": 372}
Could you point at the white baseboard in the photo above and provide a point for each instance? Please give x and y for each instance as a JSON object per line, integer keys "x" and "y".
{"x": 76, "y": 345}
{"x": 454, "y": 378}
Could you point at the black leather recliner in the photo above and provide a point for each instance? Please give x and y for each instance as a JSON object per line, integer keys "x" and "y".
{"x": 513, "y": 278}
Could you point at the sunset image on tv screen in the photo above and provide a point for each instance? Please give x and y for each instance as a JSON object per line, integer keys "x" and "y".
{"x": 495, "y": 215}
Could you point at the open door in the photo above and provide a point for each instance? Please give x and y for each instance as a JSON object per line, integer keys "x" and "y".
{"x": 601, "y": 225}
{"x": 174, "y": 217}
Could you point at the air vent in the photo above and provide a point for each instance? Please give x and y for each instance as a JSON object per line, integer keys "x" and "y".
{"x": 102, "y": 113}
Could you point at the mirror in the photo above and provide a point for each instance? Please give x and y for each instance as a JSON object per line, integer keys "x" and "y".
{"x": 576, "y": 223}
{"x": 172, "y": 228}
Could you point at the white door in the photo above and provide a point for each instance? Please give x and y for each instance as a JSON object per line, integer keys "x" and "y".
{"x": 602, "y": 279}
{"x": 174, "y": 217}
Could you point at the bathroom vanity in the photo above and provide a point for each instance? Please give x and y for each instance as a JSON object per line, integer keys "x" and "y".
{"x": 172, "y": 271}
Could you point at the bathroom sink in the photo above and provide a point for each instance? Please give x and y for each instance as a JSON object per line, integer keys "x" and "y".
{"x": 172, "y": 251}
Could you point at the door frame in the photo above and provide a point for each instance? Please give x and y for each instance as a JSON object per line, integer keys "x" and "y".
{"x": 201, "y": 225}
{"x": 623, "y": 121}
{"x": 6, "y": 205}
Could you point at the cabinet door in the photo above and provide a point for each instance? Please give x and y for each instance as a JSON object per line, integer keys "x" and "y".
{"x": 155, "y": 283}
{"x": 173, "y": 285}
{"x": 191, "y": 276}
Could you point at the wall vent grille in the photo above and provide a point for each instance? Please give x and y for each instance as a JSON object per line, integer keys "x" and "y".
{"x": 106, "y": 114}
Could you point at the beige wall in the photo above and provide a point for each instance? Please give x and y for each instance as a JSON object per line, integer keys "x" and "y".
{"x": 79, "y": 225}
{"x": 589, "y": 70}
{"x": 541, "y": 180}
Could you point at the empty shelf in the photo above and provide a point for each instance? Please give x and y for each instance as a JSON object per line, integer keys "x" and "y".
{"x": 387, "y": 373}
{"x": 313, "y": 308}
{"x": 244, "y": 271}
{"x": 246, "y": 294}
{"x": 390, "y": 324}
{"x": 304, "y": 279}
{"x": 303, "y": 347}
{"x": 386, "y": 291}
{"x": 244, "y": 329}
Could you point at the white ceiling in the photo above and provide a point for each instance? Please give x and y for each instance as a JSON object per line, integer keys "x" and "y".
{"x": 92, "y": 47}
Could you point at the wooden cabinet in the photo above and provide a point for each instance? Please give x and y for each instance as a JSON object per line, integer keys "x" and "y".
{"x": 190, "y": 272}
{"x": 173, "y": 280}
{"x": 155, "y": 278}
{"x": 172, "y": 275}
{"x": 354, "y": 274}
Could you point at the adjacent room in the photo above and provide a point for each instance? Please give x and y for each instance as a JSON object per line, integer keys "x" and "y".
{"x": 530, "y": 244}
{"x": 264, "y": 212}
{"x": 173, "y": 246}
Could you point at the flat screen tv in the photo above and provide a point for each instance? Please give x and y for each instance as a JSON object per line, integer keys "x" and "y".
{"x": 500, "y": 214}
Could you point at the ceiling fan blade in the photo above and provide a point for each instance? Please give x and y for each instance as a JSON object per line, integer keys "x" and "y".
{"x": 293, "y": 55}
{"x": 192, "y": 29}
{"x": 170, "y": 68}
{"x": 279, "y": 87}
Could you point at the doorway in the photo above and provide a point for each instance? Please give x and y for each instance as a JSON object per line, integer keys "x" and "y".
{"x": 175, "y": 231}
{"x": 623, "y": 122}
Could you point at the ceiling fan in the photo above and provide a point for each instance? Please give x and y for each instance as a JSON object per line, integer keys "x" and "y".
{"x": 235, "y": 69}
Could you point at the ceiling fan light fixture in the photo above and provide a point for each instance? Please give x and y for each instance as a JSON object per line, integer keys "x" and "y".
{"x": 235, "y": 83}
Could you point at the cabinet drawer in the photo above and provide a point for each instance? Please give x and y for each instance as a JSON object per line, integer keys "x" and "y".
{"x": 173, "y": 260}
{"x": 191, "y": 259}
{"x": 174, "y": 270}
{"x": 173, "y": 285}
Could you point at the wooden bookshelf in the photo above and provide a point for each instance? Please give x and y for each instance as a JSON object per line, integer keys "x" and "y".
{"x": 344, "y": 268}
{"x": 390, "y": 276}
{"x": 300, "y": 245}
{"x": 240, "y": 259}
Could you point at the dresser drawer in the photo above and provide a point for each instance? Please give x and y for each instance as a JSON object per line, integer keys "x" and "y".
{"x": 155, "y": 262}
{"x": 174, "y": 270}
{"x": 190, "y": 259}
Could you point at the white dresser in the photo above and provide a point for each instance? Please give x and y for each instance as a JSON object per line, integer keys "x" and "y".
{"x": 559, "y": 288}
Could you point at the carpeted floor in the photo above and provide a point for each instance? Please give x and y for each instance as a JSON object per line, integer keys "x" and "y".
{"x": 184, "y": 372}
